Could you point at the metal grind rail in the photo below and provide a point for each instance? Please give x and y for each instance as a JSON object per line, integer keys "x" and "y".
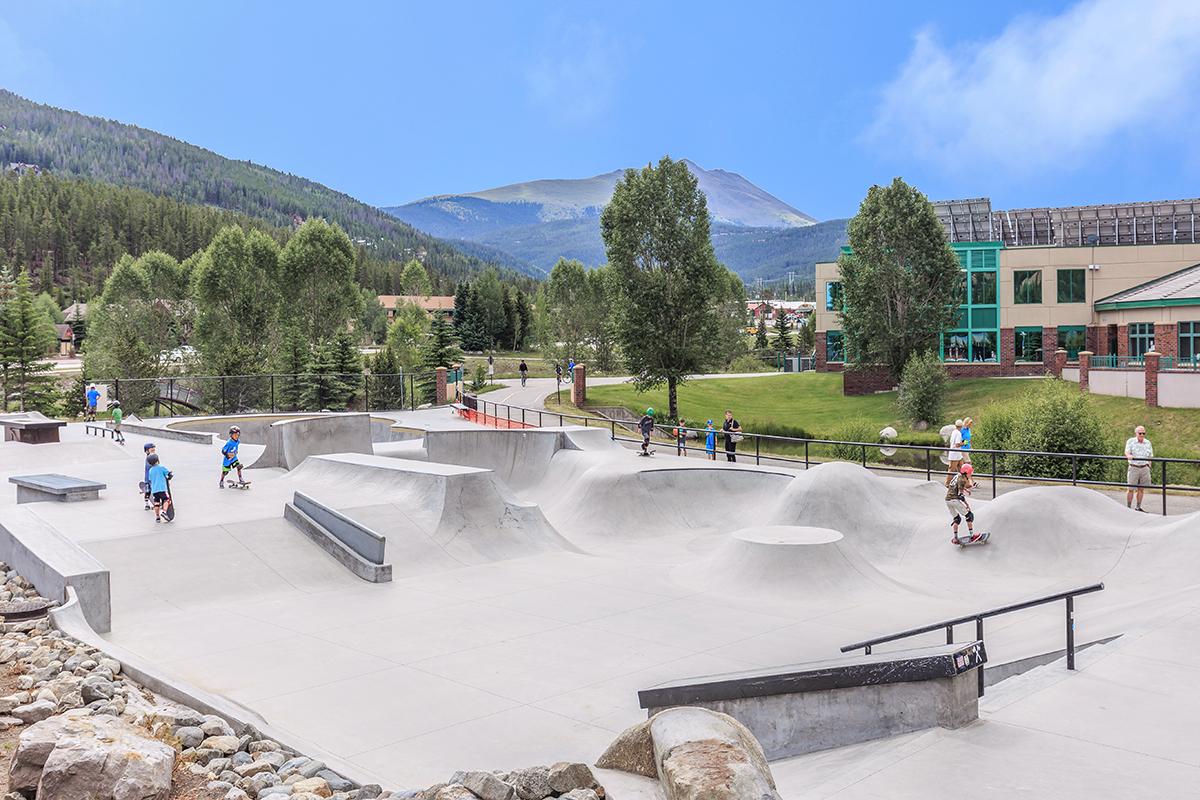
{"x": 530, "y": 417}
{"x": 978, "y": 618}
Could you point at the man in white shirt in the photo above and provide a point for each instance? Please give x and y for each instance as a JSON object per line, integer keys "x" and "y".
{"x": 1138, "y": 452}
{"x": 956, "y": 440}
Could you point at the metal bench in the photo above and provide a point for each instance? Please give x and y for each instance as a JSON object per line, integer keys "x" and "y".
{"x": 31, "y": 431}
{"x": 53, "y": 487}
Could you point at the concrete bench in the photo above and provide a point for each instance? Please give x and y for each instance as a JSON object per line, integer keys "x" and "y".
{"x": 53, "y": 487}
{"x": 30, "y": 431}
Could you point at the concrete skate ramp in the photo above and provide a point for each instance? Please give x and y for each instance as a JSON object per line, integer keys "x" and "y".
{"x": 813, "y": 565}
{"x": 436, "y": 516}
{"x": 290, "y": 441}
{"x": 519, "y": 457}
{"x": 256, "y": 427}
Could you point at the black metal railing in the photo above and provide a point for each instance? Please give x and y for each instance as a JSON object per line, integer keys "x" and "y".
{"x": 1075, "y": 469}
{"x": 188, "y": 395}
{"x": 978, "y": 618}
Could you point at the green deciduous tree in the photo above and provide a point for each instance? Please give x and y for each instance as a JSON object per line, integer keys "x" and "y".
{"x": 900, "y": 279}
{"x": 922, "y": 388}
{"x": 415, "y": 280}
{"x": 568, "y": 296}
{"x": 317, "y": 274}
{"x": 656, "y": 234}
{"x": 26, "y": 336}
{"x": 489, "y": 294}
{"x": 372, "y": 318}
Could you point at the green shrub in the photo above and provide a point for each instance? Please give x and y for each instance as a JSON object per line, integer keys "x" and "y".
{"x": 480, "y": 379}
{"x": 858, "y": 430}
{"x": 922, "y": 388}
{"x": 1055, "y": 417}
{"x": 749, "y": 363}
{"x": 993, "y": 431}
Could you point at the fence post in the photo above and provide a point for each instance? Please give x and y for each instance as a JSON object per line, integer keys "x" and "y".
{"x": 806, "y": 453}
{"x": 272, "y": 393}
{"x": 171, "y": 394}
{"x": 979, "y": 636}
{"x": 929, "y": 466}
{"x": 864, "y": 456}
{"x": 1070, "y": 633}
{"x": 1074, "y": 470}
{"x": 366, "y": 392}
{"x": 993, "y": 478}
{"x": 613, "y": 429}
{"x": 756, "y": 441}
{"x": 224, "y": 401}
{"x": 1164, "y": 487}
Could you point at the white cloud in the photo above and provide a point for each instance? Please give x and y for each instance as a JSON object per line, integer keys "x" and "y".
{"x": 575, "y": 77}
{"x": 1048, "y": 91}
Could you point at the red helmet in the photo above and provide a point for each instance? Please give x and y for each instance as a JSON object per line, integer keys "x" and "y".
{"x": 966, "y": 469}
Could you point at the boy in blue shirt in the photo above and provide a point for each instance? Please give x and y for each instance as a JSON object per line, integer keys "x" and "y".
{"x": 148, "y": 449}
{"x": 158, "y": 477}
{"x": 230, "y": 454}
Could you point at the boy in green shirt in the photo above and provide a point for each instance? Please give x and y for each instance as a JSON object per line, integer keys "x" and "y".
{"x": 117, "y": 416}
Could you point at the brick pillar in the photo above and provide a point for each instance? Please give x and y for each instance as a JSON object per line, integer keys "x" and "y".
{"x": 440, "y": 395}
{"x": 821, "y": 364}
{"x": 1008, "y": 351}
{"x": 1122, "y": 340}
{"x": 579, "y": 387}
{"x": 1085, "y": 364}
{"x": 1049, "y": 342}
{"x": 1152, "y": 378}
{"x": 1060, "y": 361}
{"x": 1166, "y": 339}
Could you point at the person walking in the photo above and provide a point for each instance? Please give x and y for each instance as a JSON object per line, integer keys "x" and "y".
{"x": 710, "y": 441}
{"x": 955, "y": 454}
{"x": 681, "y": 438}
{"x": 966, "y": 439}
{"x": 571, "y": 370}
{"x": 733, "y": 435}
{"x": 523, "y": 369}
{"x": 491, "y": 367}
{"x": 1138, "y": 452}
{"x": 147, "y": 495}
{"x": 160, "y": 490}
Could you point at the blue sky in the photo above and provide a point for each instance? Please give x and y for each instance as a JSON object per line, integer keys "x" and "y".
{"x": 1039, "y": 103}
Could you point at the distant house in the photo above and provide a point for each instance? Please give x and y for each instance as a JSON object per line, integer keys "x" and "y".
{"x": 66, "y": 339}
{"x": 74, "y": 312}
{"x": 431, "y": 305}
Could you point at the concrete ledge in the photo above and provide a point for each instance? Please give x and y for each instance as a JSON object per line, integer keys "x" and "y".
{"x": 290, "y": 441}
{"x": 817, "y": 706}
{"x": 196, "y": 437}
{"x": 71, "y": 619}
{"x": 32, "y": 430}
{"x": 54, "y": 563}
{"x": 329, "y": 540}
{"x": 53, "y": 487}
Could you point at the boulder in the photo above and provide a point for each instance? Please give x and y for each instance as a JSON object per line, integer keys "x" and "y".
{"x": 532, "y": 783}
{"x": 705, "y": 755}
{"x": 565, "y": 777}
{"x": 580, "y": 794}
{"x": 455, "y": 791}
{"x": 35, "y": 711}
{"x": 189, "y": 736}
{"x": 317, "y": 786}
{"x": 487, "y": 786}
{"x": 225, "y": 745}
{"x": 98, "y": 757}
{"x": 632, "y": 751}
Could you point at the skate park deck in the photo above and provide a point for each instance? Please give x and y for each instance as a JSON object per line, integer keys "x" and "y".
{"x": 526, "y": 654}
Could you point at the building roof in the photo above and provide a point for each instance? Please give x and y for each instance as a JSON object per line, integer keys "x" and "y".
{"x": 69, "y": 311}
{"x": 65, "y": 332}
{"x": 434, "y": 303}
{"x": 1179, "y": 288}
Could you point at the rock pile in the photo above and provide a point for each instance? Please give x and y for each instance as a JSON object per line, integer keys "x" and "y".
{"x": 564, "y": 780}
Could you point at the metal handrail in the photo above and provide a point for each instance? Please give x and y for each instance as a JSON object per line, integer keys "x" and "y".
{"x": 978, "y": 618}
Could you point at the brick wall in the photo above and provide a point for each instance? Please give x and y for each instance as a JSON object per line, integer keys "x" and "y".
{"x": 1166, "y": 339}
{"x": 1049, "y": 345}
{"x": 1151, "y": 367}
{"x": 867, "y": 380}
{"x": 1122, "y": 340}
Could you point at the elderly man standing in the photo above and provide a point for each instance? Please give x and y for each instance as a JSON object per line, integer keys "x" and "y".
{"x": 1138, "y": 452}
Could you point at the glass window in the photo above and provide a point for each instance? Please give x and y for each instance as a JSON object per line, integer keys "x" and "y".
{"x": 954, "y": 346}
{"x": 1072, "y": 286}
{"x": 1189, "y": 341}
{"x": 983, "y": 288}
{"x": 983, "y": 346}
{"x": 835, "y": 350}
{"x": 833, "y": 296}
{"x": 1072, "y": 338}
{"x": 1027, "y": 286}
{"x": 1028, "y": 344}
{"x": 1141, "y": 338}
{"x": 984, "y": 317}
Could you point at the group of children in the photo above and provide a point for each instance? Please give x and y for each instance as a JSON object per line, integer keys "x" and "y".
{"x": 156, "y": 483}
{"x": 680, "y": 433}
{"x": 89, "y": 415}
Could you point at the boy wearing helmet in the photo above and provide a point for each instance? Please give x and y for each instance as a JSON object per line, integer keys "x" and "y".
{"x": 229, "y": 453}
{"x": 158, "y": 477}
{"x": 958, "y": 487}
{"x": 117, "y": 416}
{"x": 149, "y": 450}
{"x": 646, "y": 426}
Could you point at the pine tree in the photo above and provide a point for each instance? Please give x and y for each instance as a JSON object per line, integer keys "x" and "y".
{"x": 462, "y": 297}
{"x": 760, "y": 334}
{"x": 8, "y": 288}
{"x": 387, "y": 380}
{"x": 25, "y": 338}
{"x": 322, "y": 388}
{"x": 440, "y": 350}
{"x": 294, "y": 361}
{"x": 783, "y": 336}
{"x": 347, "y": 362}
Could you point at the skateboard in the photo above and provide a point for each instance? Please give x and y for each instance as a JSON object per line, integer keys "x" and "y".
{"x": 979, "y": 538}
{"x": 237, "y": 484}
{"x": 646, "y": 454}
{"x": 169, "y": 512}
{"x": 143, "y": 487}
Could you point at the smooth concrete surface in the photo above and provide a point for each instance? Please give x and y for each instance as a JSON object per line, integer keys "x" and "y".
{"x": 290, "y": 441}
{"x": 52, "y": 563}
{"x": 523, "y": 618}
{"x": 53, "y": 487}
{"x": 366, "y": 543}
{"x": 297, "y": 513}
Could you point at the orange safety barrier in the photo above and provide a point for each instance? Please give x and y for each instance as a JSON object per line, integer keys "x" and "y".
{"x": 491, "y": 421}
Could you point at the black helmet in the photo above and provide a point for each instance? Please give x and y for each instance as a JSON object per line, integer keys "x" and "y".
{"x": 147, "y": 447}
{"x": 152, "y": 459}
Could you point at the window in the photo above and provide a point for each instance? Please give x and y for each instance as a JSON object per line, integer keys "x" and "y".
{"x": 983, "y": 345}
{"x": 1072, "y": 286}
{"x": 983, "y": 288}
{"x": 835, "y": 350}
{"x": 1028, "y": 344}
{"x": 1027, "y": 287}
{"x": 833, "y": 296}
{"x": 1141, "y": 338}
{"x": 1189, "y": 341}
{"x": 1072, "y": 338}
{"x": 955, "y": 346}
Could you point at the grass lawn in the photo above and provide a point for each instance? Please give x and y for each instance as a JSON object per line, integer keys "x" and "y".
{"x": 813, "y": 402}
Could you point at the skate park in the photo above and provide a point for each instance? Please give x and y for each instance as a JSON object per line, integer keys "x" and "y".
{"x": 541, "y": 578}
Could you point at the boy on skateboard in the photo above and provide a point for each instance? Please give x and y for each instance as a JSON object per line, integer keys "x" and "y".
{"x": 230, "y": 461}
{"x": 957, "y": 489}
{"x": 646, "y": 426}
{"x": 148, "y": 449}
{"x": 159, "y": 475}
{"x": 117, "y": 416}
